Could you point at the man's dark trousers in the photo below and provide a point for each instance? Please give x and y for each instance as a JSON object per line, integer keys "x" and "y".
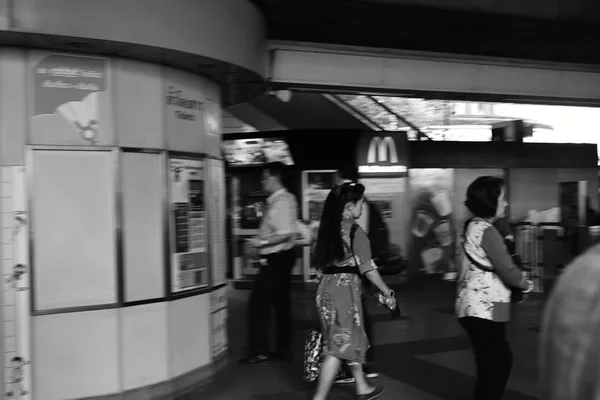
{"x": 272, "y": 287}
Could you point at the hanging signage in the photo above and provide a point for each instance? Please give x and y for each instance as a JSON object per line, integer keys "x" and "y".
{"x": 383, "y": 154}
{"x": 189, "y": 266}
{"x": 71, "y": 100}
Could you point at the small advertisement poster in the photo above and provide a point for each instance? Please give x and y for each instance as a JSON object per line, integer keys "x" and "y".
{"x": 188, "y": 220}
{"x": 71, "y": 100}
{"x": 218, "y": 311}
{"x": 257, "y": 151}
{"x": 217, "y": 221}
{"x": 432, "y": 231}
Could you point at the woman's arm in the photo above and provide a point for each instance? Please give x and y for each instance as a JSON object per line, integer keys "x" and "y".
{"x": 494, "y": 247}
{"x": 374, "y": 276}
{"x": 362, "y": 250}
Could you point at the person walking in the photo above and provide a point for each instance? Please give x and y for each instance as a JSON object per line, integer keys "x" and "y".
{"x": 343, "y": 255}
{"x": 369, "y": 367}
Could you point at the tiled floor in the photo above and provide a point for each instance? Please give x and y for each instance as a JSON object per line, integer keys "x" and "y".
{"x": 422, "y": 356}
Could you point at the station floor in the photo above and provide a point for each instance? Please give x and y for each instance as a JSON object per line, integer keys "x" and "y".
{"x": 424, "y": 355}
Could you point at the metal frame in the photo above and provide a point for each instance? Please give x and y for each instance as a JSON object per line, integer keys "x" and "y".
{"x": 121, "y": 296}
{"x": 210, "y": 232}
{"x": 30, "y": 170}
{"x": 359, "y": 114}
{"x": 208, "y": 219}
{"x": 165, "y": 231}
{"x": 420, "y": 133}
{"x": 171, "y": 295}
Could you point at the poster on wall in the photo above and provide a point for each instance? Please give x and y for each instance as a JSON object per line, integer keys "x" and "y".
{"x": 189, "y": 263}
{"x": 431, "y": 249}
{"x": 388, "y": 197}
{"x": 382, "y": 191}
{"x": 71, "y": 100}
{"x": 216, "y": 198}
{"x": 316, "y": 187}
{"x": 218, "y": 312}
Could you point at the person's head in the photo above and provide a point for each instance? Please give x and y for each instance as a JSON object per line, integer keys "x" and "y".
{"x": 486, "y": 197}
{"x": 344, "y": 201}
{"x": 272, "y": 177}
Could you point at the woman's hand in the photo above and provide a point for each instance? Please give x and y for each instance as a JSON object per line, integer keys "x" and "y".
{"x": 391, "y": 303}
{"x": 388, "y": 299}
{"x": 530, "y": 288}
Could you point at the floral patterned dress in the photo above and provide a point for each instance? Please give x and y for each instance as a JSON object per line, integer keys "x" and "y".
{"x": 339, "y": 301}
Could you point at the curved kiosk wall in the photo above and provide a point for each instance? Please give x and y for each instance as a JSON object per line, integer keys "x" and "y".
{"x": 114, "y": 220}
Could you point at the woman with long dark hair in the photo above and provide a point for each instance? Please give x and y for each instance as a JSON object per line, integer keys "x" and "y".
{"x": 483, "y": 296}
{"x": 343, "y": 254}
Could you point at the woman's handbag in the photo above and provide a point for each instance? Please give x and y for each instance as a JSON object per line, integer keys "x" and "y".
{"x": 313, "y": 355}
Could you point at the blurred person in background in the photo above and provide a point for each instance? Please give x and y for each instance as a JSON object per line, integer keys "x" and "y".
{"x": 570, "y": 337}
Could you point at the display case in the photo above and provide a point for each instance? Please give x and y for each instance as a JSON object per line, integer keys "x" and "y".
{"x": 316, "y": 185}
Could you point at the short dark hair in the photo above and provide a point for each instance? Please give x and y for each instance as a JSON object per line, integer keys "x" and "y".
{"x": 276, "y": 169}
{"x": 483, "y": 194}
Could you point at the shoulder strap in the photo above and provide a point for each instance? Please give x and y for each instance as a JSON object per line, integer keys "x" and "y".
{"x": 471, "y": 259}
{"x": 352, "y": 234}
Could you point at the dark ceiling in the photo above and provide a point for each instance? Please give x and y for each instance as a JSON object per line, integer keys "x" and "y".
{"x": 401, "y": 25}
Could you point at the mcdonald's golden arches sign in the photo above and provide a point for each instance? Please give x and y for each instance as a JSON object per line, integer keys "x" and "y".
{"x": 383, "y": 153}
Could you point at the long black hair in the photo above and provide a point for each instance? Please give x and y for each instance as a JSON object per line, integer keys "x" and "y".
{"x": 329, "y": 247}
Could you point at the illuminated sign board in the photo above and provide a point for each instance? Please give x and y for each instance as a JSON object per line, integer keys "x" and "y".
{"x": 382, "y": 154}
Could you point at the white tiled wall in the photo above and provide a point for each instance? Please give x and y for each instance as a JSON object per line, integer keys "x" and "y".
{"x": 15, "y": 311}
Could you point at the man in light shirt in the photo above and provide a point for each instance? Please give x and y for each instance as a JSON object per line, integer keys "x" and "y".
{"x": 275, "y": 245}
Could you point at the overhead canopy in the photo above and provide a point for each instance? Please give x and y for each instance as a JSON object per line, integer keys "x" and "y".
{"x": 543, "y": 30}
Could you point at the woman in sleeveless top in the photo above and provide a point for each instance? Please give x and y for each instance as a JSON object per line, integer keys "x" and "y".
{"x": 483, "y": 295}
{"x": 342, "y": 261}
